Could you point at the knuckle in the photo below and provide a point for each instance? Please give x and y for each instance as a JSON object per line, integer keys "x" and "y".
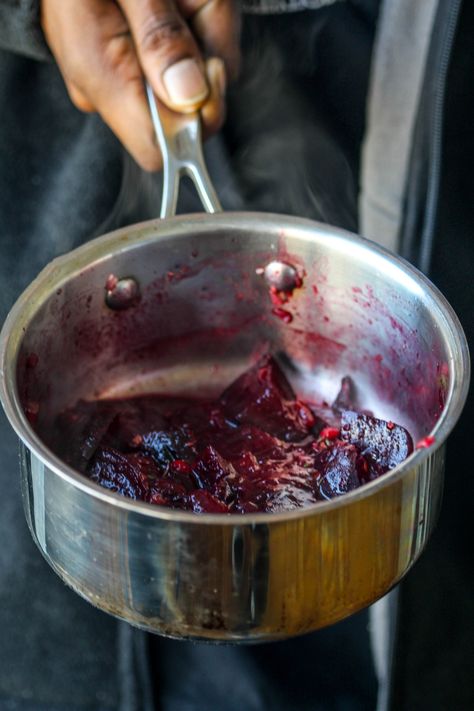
{"x": 206, "y": 5}
{"x": 78, "y": 99}
{"x": 75, "y": 67}
{"x": 217, "y": 4}
{"x": 158, "y": 32}
{"x": 150, "y": 163}
{"x": 219, "y": 7}
{"x": 118, "y": 54}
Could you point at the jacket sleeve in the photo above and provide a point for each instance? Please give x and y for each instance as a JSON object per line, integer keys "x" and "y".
{"x": 20, "y": 29}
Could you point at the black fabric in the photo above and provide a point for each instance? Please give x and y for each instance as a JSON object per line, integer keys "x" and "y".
{"x": 435, "y": 648}
{"x": 134, "y": 671}
{"x": 330, "y": 670}
{"x": 297, "y": 114}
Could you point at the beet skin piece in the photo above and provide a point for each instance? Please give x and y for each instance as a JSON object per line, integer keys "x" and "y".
{"x": 262, "y": 396}
{"x": 128, "y": 474}
{"x": 340, "y": 468}
{"x": 384, "y": 444}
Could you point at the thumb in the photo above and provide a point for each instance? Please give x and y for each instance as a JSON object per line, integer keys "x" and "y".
{"x": 168, "y": 53}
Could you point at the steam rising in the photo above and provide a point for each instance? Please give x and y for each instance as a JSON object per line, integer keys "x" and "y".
{"x": 284, "y": 156}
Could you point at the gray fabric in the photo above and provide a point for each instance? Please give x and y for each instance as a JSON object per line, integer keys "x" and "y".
{"x": 382, "y": 626}
{"x": 133, "y": 665}
{"x": 400, "y": 51}
{"x": 20, "y": 30}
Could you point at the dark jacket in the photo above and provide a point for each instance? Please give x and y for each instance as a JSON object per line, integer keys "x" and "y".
{"x": 63, "y": 179}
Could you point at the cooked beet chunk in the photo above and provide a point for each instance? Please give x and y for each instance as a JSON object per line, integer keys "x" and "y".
{"x": 142, "y": 425}
{"x": 248, "y": 438}
{"x": 210, "y": 467}
{"x": 81, "y": 429}
{"x": 128, "y": 474}
{"x": 325, "y": 416}
{"x": 166, "y": 446}
{"x": 199, "y": 418}
{"x": 256, "y": 448}
{"x": 384, "y": 444}
{"x": 270, "y": 493}
{"x": 148, "y": 424}
{"x": 132, "y": 420}
{"x": 262, "y": 396}
{"x": 347, "y": 396}
{"x": 215, "y": 474}
{"x": 181, "y": 471}
{"x": 166, "y": 492}
{"x": 339, "y": 469}
{"x": 203, "y": 502}
{"x": 262, "y": 384}
{"x": 288, "y": 496}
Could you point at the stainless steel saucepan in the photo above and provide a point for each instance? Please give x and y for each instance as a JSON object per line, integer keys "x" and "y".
{"x": 180, "y": 305}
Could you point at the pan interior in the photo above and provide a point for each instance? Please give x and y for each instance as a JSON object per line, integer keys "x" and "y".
{"x": 205, "y": 314}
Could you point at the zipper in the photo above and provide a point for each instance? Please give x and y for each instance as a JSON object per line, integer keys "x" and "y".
{"x": 436, "y": 137}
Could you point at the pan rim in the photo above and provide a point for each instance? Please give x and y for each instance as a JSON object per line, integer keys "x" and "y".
{"x": 64, "y": 267}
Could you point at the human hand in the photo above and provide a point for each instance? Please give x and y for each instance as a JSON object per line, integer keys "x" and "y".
{"x": 104, "y": 48}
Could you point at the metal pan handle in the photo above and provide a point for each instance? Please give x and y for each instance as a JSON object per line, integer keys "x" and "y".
{"x": 179, "y": 137}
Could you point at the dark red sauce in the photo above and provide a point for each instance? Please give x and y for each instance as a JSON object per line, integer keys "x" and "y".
{"x": 254, "y": 448}
{"x": 283, "y": 314}
{"x": 426, "y": 442}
